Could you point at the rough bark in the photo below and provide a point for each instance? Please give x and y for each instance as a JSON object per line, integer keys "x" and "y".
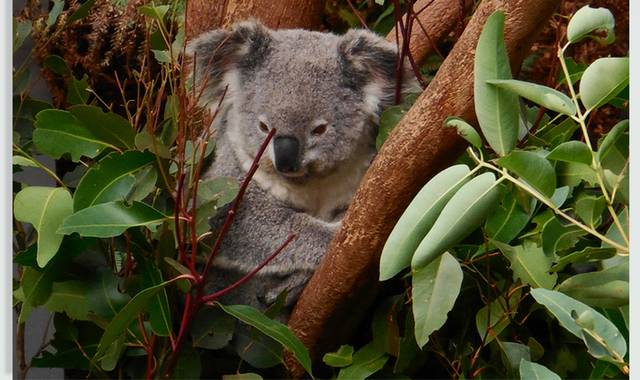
{"x": 436, "y": 19}
{"x": 345, "y": 283}
{"x": 206, "y": 14}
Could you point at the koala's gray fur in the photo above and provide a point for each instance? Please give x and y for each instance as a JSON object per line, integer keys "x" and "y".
{"x": 295, "y": 81}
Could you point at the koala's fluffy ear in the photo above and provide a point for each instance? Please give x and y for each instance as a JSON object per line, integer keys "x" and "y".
{"x": 220, "y": 51}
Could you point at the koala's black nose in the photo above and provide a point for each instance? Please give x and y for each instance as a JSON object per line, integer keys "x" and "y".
{"x": 286, "y": 150}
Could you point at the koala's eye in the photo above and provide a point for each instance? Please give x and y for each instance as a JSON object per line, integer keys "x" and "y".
{"x": 320, "y": 129}
{"x": 263, "y": 127}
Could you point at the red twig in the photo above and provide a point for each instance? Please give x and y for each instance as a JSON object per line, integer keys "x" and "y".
{"x": 236, "y": 202}
{"x": 249, "y": 275}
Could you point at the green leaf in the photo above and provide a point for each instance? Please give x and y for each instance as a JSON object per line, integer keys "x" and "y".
{"x": 242, "y": 376}
{"x": 590, "y": 208}
{"x": 464, "y": 212}
{"x": 179, "y": 269}
{"x": 77, "y": 90}
{"x": 587, "y": 20}
{"x": 557, "y": 237}
{"x": 555, "y": 134}
{"x": 82, "y": 11}
{"x": 104, "y": 296}
{"x": 69, "y": 297}
{"x": 533, "y": 169}
{"x": 58, "y": 132}
{"x": 125, "y": 316}
{"x": 613, "y": 150}
{"x": 111, "y": 179}
{"x": 572, "y": 151}
{"x": 496, "y": 109}
{"x": 189, "y": 365}
{"x": 547, "y": 97}
{"x": 465, "y": 130}
{"x": 529, "y": 264}
{"x": 496, "y": 316}
{"x": 435, "y": 290}
{"x": 389, "y": 118}
{"x": 514, "y": 353}
{"x": 145, "y": 183}
{"x": 341, "y": 358}
{"x": 111, "y": 357}
{"x": 111, "y": 219}
{"x": 418, "y": 218}
{"x": 58, "y": 6}
{"x": 366, "y": 361}
{"x": 36, "y": 285}
{"x": 221, "y": 189}
{"x": 560, "y": 195}
{"x": 585, "y": 255}
{"x": 273, "y": 329}
{"x": 56, "y": 64}
{"x": 603, "y": 80}
{"x": 535, "y": 371}
{"x": 508, "y": 220}
{"x": 159, "y": 310}
{"x": 21, "y": 29}
{"x": 23, "y": 161}
{"x": 144, "y": 141}
{"x": 606, "y": 288}
{"x": 562, "y": 307}
{"x": 108, "y": 126}
{"x": 44, "y": 208}
{"x": 156, "y": 12}
{"x": 572, "y": 174}
{"x": 212, "y": 328}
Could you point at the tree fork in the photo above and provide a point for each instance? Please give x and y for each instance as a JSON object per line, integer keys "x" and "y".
{"x": 346, "y": 281}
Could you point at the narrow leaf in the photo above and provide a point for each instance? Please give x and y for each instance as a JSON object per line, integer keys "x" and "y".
{"x": 273, "y": 329}
{"x": 547, "y": 97}
{"x": 435, "y": 290}
{"x": 418, "y": 218}
{"x": 111, "y": 219}
{"x": 497, "y": 109}
{"x": 529, "y": 264}
{"x": 462, "y": 214}
{"x": 606, "y": 288}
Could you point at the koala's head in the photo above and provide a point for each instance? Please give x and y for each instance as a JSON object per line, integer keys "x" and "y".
{"x": 321, "y": 92}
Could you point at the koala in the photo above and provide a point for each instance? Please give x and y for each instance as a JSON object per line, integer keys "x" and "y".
{"x": 323, "y": 94}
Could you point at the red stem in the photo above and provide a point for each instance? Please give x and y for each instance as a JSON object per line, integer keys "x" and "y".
{"x": 249, "y": 275}
{"x": 236, "y": 202}
{"x": 151, "y": 367}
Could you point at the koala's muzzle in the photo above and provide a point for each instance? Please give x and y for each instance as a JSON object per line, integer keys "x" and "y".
{"x": 286, "y": 151}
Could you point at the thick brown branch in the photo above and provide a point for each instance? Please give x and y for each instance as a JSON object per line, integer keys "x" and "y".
{"x": 438, "y": 17}
{"x": 345, "y": 283}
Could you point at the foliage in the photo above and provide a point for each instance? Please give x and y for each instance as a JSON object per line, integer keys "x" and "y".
{"x": 118, "y": 245}
{"x": 544, "y": 262}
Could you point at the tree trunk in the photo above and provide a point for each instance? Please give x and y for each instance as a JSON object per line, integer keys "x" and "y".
{"x": 346, "y": 282}
{"x": 204, "y": 15}
{"x": 435, "y": 20}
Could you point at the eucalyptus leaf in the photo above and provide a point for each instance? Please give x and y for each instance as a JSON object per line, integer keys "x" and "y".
{"x": 590, "y": 208}
{"x": 465, "y": 130}
{"x": 159, "y": 310}
{"x": 606, "y": 288}
{"x": 418, "y": 218}
{"x": 111, "y": 219}
{"x": 529, "y": 264}
{"x": 547, "y": 97}
{"x": 212, "y": 328}
{"x": 341, "y": 358}
{"x": 273, "y": 329}
{"x": 572, "y": 151}
{"x": 585, "y": 255}
{"x": 366, "y": 361}
{"x": 23, "y": 161}
{"x": 44, "y": 208}
{"x": 111, "y": 179}
{"x": 532, "y": 168}
{"x": 587, "y": 20}
{"x": 493, "y": 318}
{"x": 507, "y": 220}
{"x": 603, "y": 80}
{"x": 69, "y": 297}
{"x": 497, "y": 109}
{"x": 435, "y": 290}
{"x": 462, "y": 214}
{"x": 21, "y": 29}
{"x": 535, "y": 371}
{"x": 562, "y": 307}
